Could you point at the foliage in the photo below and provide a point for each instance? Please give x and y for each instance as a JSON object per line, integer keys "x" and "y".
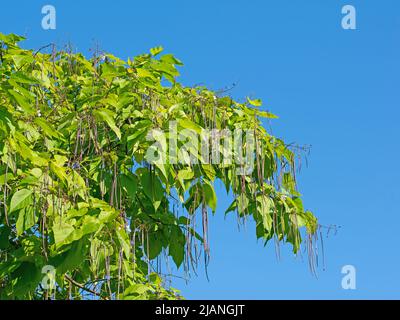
{"x": 77, "y": 193}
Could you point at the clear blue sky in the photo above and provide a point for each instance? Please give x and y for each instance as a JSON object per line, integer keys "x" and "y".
{"x": 335, "y": 89}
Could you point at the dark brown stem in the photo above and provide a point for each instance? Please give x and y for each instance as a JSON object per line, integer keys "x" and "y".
{"x": 81, "y": 286}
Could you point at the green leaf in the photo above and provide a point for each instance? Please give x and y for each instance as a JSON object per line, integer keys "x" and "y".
{"x": 5, "y": 232}
{"x": 242, "y": 203}
{"x": 144, "y": 73}
{"x": 23, "y": 78}
{"x": 22, "y": 102}
{"x": 137, "y": 289}
{"x": 210, "y": 195}
{"x": 185, "y": 174}
{"x": 289, "y": 183}
{"x": 169, "y": 58}
{"x": 156, "y": 50}
{"x": 124, "y": 241}
{"x": 209, "y": 171}
{"x": 156, "y": 245}
{"x": 108, "y": 116}
{"x": 76, "y": 184}
{"x": 109, "y": 71}
{"x": 73, "y": 258}
{"x": 255, "y": 102}
{"x": 129, "y": 184}
{"x": 26, "y": 220}
{"x": 177, "y": 245}
{"x": 152, "y": 188}
{"x": 232, "y": 207}
{"x": 26, "y": 279}
{"x": 264, "y": 207}
{"x": 61, "y": 229}
{"x": 59, "y": 171}
{"x": 22, "y": 59}
{"x": 188, "y": 124}
{"x": 47, "y": 128}
{"x": 11, "y": 38}
{"x": 266, "y": 114}
{"x": 20, "y": 199}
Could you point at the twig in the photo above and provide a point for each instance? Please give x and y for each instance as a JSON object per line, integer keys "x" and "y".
{"x": 42, "y": 48}
{"x": 81, "y": 286}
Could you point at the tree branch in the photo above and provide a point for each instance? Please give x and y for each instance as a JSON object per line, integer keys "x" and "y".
{"x": 81, "y": 286}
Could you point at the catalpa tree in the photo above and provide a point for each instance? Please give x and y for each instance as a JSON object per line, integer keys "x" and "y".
{"x": 107, "y": 169}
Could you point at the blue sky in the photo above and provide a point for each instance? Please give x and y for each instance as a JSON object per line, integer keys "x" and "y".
{"x": 334, "y": 89}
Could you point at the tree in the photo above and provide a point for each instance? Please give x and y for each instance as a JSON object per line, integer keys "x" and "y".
{"x": 90, "y": 198}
